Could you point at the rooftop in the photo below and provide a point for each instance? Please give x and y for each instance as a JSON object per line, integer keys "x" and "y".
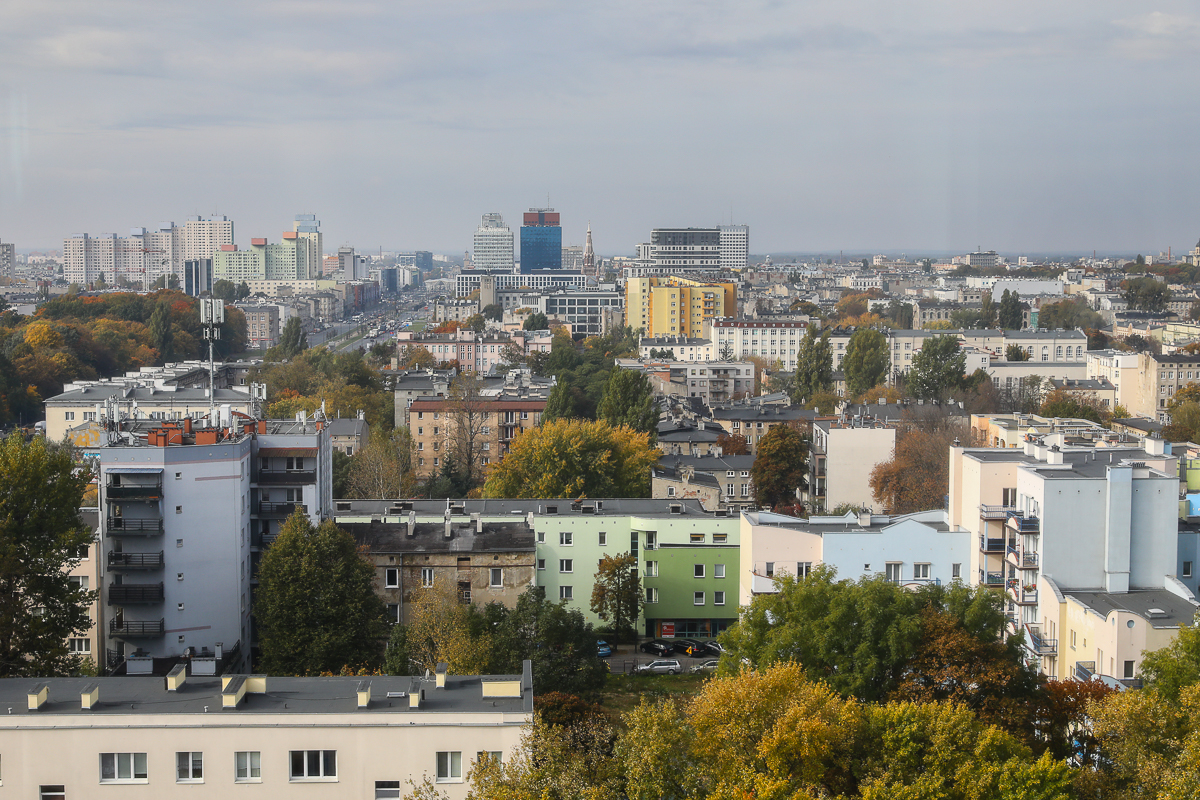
{"x": 1162, "y": 609}
{"x": 389, "y": 535}
{"x": 608, "y": 506}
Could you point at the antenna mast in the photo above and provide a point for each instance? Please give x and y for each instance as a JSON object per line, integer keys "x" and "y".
{"x": 212, "y": 315}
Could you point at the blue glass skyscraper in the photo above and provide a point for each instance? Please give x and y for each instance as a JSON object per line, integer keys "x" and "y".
{"x": 541, "y": 240}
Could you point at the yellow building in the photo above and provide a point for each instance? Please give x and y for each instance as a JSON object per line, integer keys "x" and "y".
{"x": 677, "y": 306}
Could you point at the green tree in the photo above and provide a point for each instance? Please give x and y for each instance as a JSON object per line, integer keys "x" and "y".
{"x": 224, "y": 290}
{"x": 160, "y": 331}
{"x": 536, "y": 321}
{"x": 243, "y": 291}
{"x": 1070, "y": 313}
{"x": 559, "y": 404}
{"x": 987, "y": 311}
{"x": 617, "y": 594}
{"x": 573, "y": 458}
{"x": 1147, "y": 294}
{"x": 1069, "y": 406}
{"x": 493, "y": 311}
{"x": 316, "y": 606}
{"x": 867, "y": 360}
{"x": 780, "y": 466}
{"x": 557, "y": 639}
{"x": 1011, "y": 315}
{"x": 938, "y": 368}
{"x": 814, "y": 365}
{"x": 41, "y": 538}
{"x": 476, "y": 322}
{"x": 1175, "y": 667}
{"x": 628, "y": 400}
{"x": 1014, "y": 352}
{"x": 292, "y": 339}
{"x": 341, "y": 473}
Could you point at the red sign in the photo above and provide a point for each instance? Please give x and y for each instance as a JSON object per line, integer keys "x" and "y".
{"x": 667, "y": 630}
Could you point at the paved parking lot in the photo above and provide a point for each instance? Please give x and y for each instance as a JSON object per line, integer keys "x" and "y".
{"x": 629, "y": 657}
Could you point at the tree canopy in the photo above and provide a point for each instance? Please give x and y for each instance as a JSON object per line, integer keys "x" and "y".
{"x": 814, "y": 365}
{"x": 629, "y": 400}
{"x": 780, "y": 466}
{"x": 1146, "y": 293}
{"x": 917, "y": 476}
{"x": 316, "y": 606}
{"x": 617, "y": 594}
{"x": 938, "y": 368}
{"x": 867, "y": 360}
{"x": 1011, "y": 313}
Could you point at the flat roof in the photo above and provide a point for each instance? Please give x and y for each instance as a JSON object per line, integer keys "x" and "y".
{"x": 1175, "y": 610}
{"x": 604, "y": 506}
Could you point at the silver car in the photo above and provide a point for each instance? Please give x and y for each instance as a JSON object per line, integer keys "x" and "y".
{"x": 662, "y": 666}
{"x": 706, "y": 666}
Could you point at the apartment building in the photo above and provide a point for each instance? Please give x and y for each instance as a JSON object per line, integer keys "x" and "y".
{"x": 479, "y": 352}
{"x": 91, "y": 402}
{"x": 1083, "y": 542}
{"x": 681, "y": 348}
{"x": 146, "y": 254}
{"x": 186, "y": 509}
{"x": 677, "y": 306}
{"x": 348, "y": 435}
{"x": 85, "y": 571}
{"x": 482, "y": 562}
{"x": 454, "y": 310}
{"x": 842, "y": 454}
{"x": 1156, "y": 380}
{"x": 911, "y": 550}
{"x": 286, "y": 260}
{"x": 716, "y": 480}
{"x": 469, "y": 280}
{"x": 709, "y": 381}
{"x": 766, "y": 339}
{"x": 199, "y": 736}
{"x": 1011, "y": 430}
{"x": 754, "y": 421}
{"x": 262, "y": 325}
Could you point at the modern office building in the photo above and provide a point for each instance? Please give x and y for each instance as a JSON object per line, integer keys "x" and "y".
{"x": 197, "y": 276}
{"x": 469, "y": 280}
{"x": 735, "y": 246}
{"x": 307, "y": 226}
{"x": 572, "y": 257}
{"x": 419, "y": 260}
{"x": 493, "y": 244}
{"x": 541, "y": 240}
{"x": 8, "y": 259}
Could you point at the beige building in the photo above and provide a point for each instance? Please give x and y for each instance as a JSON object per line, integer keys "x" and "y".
{"x": 262, "y": 325}
{"x": 93, "y": 402}
{"x": 349, "y": 435}
{"x": 843, "y": 453}
{"x": 1010, "y": 430}
{"x": 677, "y": 306}
{"x": 196, "y": 737}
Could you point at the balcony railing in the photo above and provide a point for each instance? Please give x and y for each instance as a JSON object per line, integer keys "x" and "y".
{"x": 1020, "y": 595}
{"x": 991, "y": 578}
{"x": 1022, "y": 523}
{"x": 1038, "y": 644}
{"x": 126, "y": 526}
{"x": 995, "y": 512}
{"x": 134, "y": 491}
{"x": 1021, "y": 558}
{"x": 987, "y": 545}
{"x": 280, "y": 509}
{"x": 119, "y": 561}
{"x": 136, "y": 628}
{"x": 130, "y": 593}
{"x": 1085, "y": 670}
{"x": 289, "y": 477}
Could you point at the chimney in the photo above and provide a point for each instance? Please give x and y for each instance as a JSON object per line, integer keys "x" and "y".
{"x": 38, "y": 696}
{"x": 178, "y": 676}
{"x": 864, "y": 519}
{"x": 364, "y": 694}
{"x": 89, "y": 696}
{"x": 448, "y": 526}
{"x": 477, "y": 521}
{"x": 412, "y": 523}
{"x": 442, "y": 669}
{"x": 415, "y": 694}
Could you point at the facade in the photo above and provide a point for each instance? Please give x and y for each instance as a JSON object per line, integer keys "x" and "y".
{"x": 683, "y": 248}
{"x": 677, "y": 306}
{"x": 308, "y": 227}
{"x": 8, "y": 258}
{"x": 287, "y": 260}
{"x": 717, "y": 481}
{"x": 541, "y": 240}
{"x": 454, "y": 310}
{"x": 681, "y": 348}
{"x": 843, "y": 453}
{"x": 479, "y": 352}
{"x": 734, "y": 242}
{"x": 348, "y": 436}
{"x": 709, "y": 381}
{"x": 755, "y": 422}
{"x": 748, "y": 337}
{"x": 493, "y": 244}
{"x": 93, "y": 402}
{"x": 469, "y": 280}
{"x": 197, "y": 276}
{"x": 262, "y": 325}
{"x": 145, "y": 254}
{"x": 589, "y": 312}
{"x": 200, "y": 737}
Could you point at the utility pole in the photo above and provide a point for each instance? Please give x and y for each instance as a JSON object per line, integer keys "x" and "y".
{"x": 212, "y": 315}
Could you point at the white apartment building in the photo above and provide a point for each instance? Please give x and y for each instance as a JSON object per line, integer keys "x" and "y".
{"x": 146, "y": 254}
{"x": 493, "y": 244}
{"x": 771, "y": 340}
{"x": 469, "y": 280}
{"x": 219, "y": 736}
{"x": 681, "y": 348}
{"x": 842, "y": 455}
{"x": 1079, "y": 540}
{"x": 8, "y": 259}
{"x": 735, "y": 246}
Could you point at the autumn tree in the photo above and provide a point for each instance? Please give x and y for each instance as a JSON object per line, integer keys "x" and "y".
{"x": 629, "y": 401}
{"x": 559, "y": 404}
{"x": 41, "y": 538}
{"x": 780, "y": 466}
{"x": 814, "y": 365}
{"x": 292, "y": 340}
{"x": 732, "y": 444}
{"x": 1072, "y": 312}
{"x": 867, "y": 360}
{"x": 1014, "y": 352}
{"x": 573, "y": 458}
{"x": 1070, "y": 405}
{"x": 1147, "y": 293}
{"x": 917, "y": 476}
{"x": 617, "y": 594}
{"x": 415, "y": 356}
{"x": 938, "y": 368}
{"x": 383, "y": 469}
{"x": 439, "y": 627}
{"x": 1010, "y": 314}
{"x": 467, "y": 414}
{"x": 316, "y": 606}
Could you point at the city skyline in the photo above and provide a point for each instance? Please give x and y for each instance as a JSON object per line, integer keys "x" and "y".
{"x": 828, "y": 127}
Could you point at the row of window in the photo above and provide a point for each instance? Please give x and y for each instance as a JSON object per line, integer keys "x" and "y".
{"x": 189, "y": 766}
{"x": 567, "y": 538}
{"x": 391, "y": 577}
{"x": 698, "y": 598}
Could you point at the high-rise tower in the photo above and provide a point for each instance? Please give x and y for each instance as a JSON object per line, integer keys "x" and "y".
{"x": 493, "y": 244}
{"x": 307, "y": 226}
{"x": 541, "y": 240}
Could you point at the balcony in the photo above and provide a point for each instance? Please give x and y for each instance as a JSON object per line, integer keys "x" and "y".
{"x": 1085, "y": 671}
{"x": 996, "y": 512}
{"x": 280, "y": 509}
{"x": 1039, "y": 645}
{"x": 991, "y": 578}
{"x": 134, "y": 491}
{"x": 987, "y": 545}
{"x": 1020, "y": 595}
{"x": 288, "y": 477}
{"x": 133, "y": 561}
{"x": 133, "y": 593}
{"x": 139, "y": 629}
{"x": 1020, "y": 558}
{"x": 1022, "y": 523}
{"x": 125, "y": 526}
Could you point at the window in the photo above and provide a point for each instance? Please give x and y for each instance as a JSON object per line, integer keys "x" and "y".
{"x": 541, "y": 563}
{"x": 770, "y": 569}
{"x": 427, "y": 577}
{"x": 566, "y": 565}
{"x": 189, "y": 767}
{"x": 718, "y": 570}
{"x": 603, "y": 539}
{"x": 670, "y": 491}
{"x": 314, "y": 765}
{"x": 391, "y": 578}
{"x": 1187, "y": 569}
{"x": 718, "y": 598}
{"x": 393, "y": 613}
{"x": 541, "y": 537}
{"x": 564, "y": 538}
{"x": 892, "y": 571}
{"x": 385, "y": 790}
{"x": 494, "y": 755}
{"x": 956, "y": 570}
{"x": 52, "y": 792}
{"x": 921, "y": 572}
{"x": 651, "y": 595}
{"x": 698, "y": 598}
{"x": 83, "y": 646}
{"x": 720, "y": 538}
{"x": 122, "y": 767}
{"x": 696, "y": 538}
{"x": 1128, "y": 669}
{"x": 803, "y": 568}
{"x": 564, "y": 593}
{"x": 449, "y": 767}
{"x": 1072, "y": 640}
{"x": 651, "y": 569}
{"x": 698, "y": 570}
{"x": 497, "y": 578}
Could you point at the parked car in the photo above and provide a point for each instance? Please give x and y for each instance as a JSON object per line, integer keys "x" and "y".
{"x": 689, "y": 647}
{"x": 714, "y": 647}
{"x": 603, "y": 649}
{"x": 660, "y": 667}
{"x": 706, "y": 666}
{"x": 658, "y": 647}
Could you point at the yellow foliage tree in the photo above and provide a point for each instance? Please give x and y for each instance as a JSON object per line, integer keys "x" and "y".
{"x": 439, "y": 630}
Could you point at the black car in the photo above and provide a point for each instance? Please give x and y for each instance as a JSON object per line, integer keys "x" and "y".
{"x": 713, "y": 647}
{"x": 689, "y": 647}
{"x": 658, "y": 647}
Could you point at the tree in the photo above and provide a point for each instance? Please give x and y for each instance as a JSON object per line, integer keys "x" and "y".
{"x": 536, "y": 322}
{"x": 1014, "y": 352}
{"x": 557, "y": 639}
{"x": 1070, "y": 405}
{"x": 867, "y": 360}
{"x": 559, "y": 404}
{"x": 917, "y": 476}
{"x": 442, "y": 628}
{"x": 415, "y": 356}
{"x": 1147, "y": 294}
{"x": 160, "y": 331}
{"x": 824, "y": 402}
{"x": 628, "y": 400}
{"x": 1010, "y": 315}
{"x": 41, "y": 538}
{"x": 1070, "y": 313}
{"x": 814, "y": 365}
{"x": 987, "y": 311}
{"x": 292, "y": 339}
{"x": 468, "y": 413}
{"x": 617, "y": 594}
{"x": 316, "y": 606}
{"x": 1175, "y": 667}
{"x": 733, "y": 444}
{"x": 493, "y": 311}
{"x": 726, "y": 353}
{"x": 476, "y": 322}
{"x": 938, "y": 368}
{"x": 341, "y": 473}
{"x": 573, "y": 458}
{"x": 243, "y": 291}
{"x": 780, "y": 466}
{"x": 383, "y": 469}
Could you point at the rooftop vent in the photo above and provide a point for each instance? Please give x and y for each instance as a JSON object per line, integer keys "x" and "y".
{"x": 676, "y": 508}
{"x": 1156, "y": 613}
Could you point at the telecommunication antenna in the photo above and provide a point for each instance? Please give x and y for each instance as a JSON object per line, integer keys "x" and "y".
{"x": 212, "y": 315}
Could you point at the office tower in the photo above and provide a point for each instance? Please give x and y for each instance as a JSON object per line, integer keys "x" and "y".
{"x": 420, "y": 260}
{"x": 572, "y": 257}
{"x": 493, "y": 246}
{"x": 8, "y": 260}
{"x": 197, "y": 276}
{"x": 589, "y": 255}
{"x": 735, "y": 246}
{"x": 308, "y": 227}
{"x": 541, "y": 240}
{"x": 346, "y": 262}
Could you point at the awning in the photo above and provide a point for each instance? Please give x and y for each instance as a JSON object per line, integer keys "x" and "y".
{"x": 287, "y": 452}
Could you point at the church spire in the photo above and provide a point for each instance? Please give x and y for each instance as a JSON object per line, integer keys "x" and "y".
{"x": 589, "y": 256}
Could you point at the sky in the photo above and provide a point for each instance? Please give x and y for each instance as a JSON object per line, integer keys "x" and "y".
{"x": 857, "y": 125}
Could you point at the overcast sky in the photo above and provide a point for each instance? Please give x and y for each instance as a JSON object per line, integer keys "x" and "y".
{"x": 927, "y": 125}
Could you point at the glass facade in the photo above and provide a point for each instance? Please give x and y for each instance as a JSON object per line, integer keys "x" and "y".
{"x": 541, "y": 247}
